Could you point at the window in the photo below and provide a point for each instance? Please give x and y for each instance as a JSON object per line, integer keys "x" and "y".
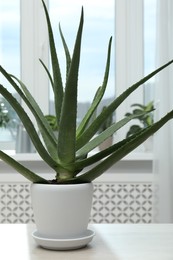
{"x": 10, "y": 60}
{"x": 135, "y": 41}
{"x": 129, "y": 65}
{"x": 126, "y": 17}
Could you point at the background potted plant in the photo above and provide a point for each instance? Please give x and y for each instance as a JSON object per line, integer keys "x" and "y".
{"x": 8, "y": 124}
{"x": 4, "y": 115}
{"x": 62, "y": 205}
{"x": 145, "y": 120}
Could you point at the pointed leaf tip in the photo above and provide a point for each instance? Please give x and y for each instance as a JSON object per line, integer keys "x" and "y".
{"x": 82, "y": 12}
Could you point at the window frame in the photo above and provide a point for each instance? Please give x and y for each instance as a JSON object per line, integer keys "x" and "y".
{"x": 36, "y": 39}
{"x": 129, "y": 50}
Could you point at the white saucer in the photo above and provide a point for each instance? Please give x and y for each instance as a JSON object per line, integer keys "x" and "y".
{"x": 64, "y": 244}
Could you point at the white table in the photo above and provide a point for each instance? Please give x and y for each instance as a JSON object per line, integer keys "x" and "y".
{"x": 112, "y": 241}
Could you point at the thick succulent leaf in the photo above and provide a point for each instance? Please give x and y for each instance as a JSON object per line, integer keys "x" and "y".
{"x": 67, "y": 126}
{"x": 31, "y": 176}
{"x": 48, "y": 73}
{"x": 123, "y": 150}
{"x": 104, "y": 135}
{"x": 58, "y": 86}
{"x": 67, "y": 53}
{"x": 87, "y": 161}
{"x": 91, "y": 114}
{"x": 93, "y": 128}
{"x": 29, "y": 127}
{"x": 44, "y": 127}
{"x": 29, "y": 100}
{"x": 98, "y": 96}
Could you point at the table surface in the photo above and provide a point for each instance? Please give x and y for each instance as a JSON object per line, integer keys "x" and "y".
{"x": 112, "y": 241}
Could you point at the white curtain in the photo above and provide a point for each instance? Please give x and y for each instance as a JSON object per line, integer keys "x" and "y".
{"x": 163, "y": 140}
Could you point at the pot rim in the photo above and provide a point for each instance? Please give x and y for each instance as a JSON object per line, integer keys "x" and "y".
{"x": 61, "y": 184}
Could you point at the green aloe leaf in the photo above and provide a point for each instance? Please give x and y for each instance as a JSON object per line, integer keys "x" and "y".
{"x": 31, "y": 176}
{"x": 123, "y": 150}
{"x": 105, "y": 134}
{"x": 93, "y": 128}
{"x": 58, "y": 86}
{"x": 67, "y": 126}
{"x": 29, "y": 127}
{"x": 67, "y": 53}
{"x": 87, "y": 161}
{"x": 45, "y": 129}
{"x": 98, "y": 96}
{"x": 48, "y": 73}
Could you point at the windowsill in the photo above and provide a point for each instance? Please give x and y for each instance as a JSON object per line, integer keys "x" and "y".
{"x": 133, "y": 156}
{"x": 135, "y": 167}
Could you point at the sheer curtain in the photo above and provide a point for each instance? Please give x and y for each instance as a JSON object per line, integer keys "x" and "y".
{"x": 163, "y": 140}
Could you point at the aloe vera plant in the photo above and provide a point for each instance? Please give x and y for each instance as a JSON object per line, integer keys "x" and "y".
{"x": 68, "y": 153}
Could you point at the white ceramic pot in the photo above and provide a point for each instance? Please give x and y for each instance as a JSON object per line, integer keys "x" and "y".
{"x": 61, "y": 211}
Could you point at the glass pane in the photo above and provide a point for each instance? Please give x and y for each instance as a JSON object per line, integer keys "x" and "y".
{"x": 98, "y": 27}
{"x": 149, "y": 44}
{"x": 10, "y": 60}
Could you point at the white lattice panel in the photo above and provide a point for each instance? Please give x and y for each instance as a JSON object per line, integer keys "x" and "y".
{"x": 15, "y": 203}
{"x": 112, "y": 202}
{"x": 122, "y": 203}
